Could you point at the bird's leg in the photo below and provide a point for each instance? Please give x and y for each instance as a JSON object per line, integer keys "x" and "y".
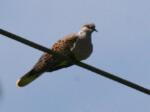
{"x": 72, "y": 58}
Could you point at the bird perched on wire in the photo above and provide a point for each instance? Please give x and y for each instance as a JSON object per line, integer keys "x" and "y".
{"x": 77, "y": 46}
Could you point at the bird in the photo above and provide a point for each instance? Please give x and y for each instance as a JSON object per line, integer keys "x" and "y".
{"x": 75, "y": 46}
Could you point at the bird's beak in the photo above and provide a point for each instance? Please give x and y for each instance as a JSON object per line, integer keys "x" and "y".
{"x": 95, "y": 30}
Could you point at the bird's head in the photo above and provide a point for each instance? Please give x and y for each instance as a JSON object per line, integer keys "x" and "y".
{"x": 89, "y": 28}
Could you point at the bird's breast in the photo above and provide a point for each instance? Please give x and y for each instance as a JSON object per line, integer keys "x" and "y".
{"x": 82, "y": 49}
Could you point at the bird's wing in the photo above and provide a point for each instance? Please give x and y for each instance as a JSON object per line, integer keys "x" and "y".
{"x": 62, "y": 47}
{"x": 49, "y": 62}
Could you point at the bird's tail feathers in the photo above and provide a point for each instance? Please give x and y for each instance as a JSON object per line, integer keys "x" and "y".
{"x": 28, "y": 78}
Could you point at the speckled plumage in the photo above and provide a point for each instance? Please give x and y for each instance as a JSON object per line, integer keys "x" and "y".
{"x": 62, "y": 47}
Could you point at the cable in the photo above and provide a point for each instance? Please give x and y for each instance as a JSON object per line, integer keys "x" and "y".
{"x": 81, "y": 64}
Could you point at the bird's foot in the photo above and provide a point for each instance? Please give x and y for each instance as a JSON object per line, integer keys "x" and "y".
{"x": 73, "y": 58}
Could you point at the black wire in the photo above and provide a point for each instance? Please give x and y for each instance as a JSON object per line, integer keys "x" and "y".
{"x": 81, "y": 64}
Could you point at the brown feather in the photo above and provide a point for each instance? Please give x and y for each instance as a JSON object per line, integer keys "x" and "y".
{"x": 48, "y": 62}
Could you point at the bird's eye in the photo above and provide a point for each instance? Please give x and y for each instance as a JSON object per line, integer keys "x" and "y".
{"x": 88, "y": 26}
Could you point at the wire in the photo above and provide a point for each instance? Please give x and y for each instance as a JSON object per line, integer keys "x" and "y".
{"x": 81, "y": 64}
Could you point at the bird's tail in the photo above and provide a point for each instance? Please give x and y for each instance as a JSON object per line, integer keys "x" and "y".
{"x": 28, "y": 78}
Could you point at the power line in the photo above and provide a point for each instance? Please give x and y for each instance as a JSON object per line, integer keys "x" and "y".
{"x": 81, "y": 64}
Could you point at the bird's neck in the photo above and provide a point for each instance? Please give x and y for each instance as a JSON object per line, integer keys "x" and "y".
{"x": 84, "y": 34}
